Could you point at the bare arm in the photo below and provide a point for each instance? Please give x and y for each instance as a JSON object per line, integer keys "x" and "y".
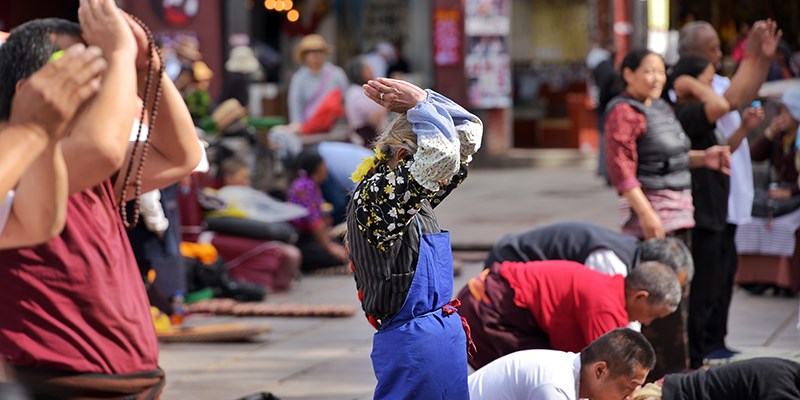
{"x": 173, "y": 149}
{"x": 715, "y": 105}
{"x": 759, "y": 49}
{"x": 650, "y": 222}
{"x": 96, "y": 146}
{"x": 39, "y": 208}
{"x": 751, "y": 117}
{"x": 30, "y": 150}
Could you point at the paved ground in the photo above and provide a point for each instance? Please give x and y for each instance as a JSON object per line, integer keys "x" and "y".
{"x": 314, "y": 358}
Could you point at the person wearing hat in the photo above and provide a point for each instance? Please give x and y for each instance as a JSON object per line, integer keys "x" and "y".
{"x": 240, "y": 69}
{"x": 775, "y": 209}
{"x": 316, "y": 80}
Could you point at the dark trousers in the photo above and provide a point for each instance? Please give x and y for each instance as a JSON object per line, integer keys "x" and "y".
{"x": 499, "y": 326}
{"x": 714, "y": 256}
{"x": 668, "y": 335}
{"x": 51, "y": 384}
{"x": 315, "y": 256}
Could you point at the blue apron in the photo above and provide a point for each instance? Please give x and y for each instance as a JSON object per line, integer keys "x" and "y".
{"x": 421, "y": 352}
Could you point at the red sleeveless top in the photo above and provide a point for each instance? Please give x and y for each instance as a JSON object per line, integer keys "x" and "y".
{"x": 77, "y": 303}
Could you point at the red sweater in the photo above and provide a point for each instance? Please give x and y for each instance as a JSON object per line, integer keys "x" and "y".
{"x": 571, "y": 303}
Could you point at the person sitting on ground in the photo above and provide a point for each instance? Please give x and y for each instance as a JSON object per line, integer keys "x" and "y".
{"x": 594, "y": 246}
{"x": 560, "y": 305}
{"x": 76, "y": 317}
{"x": 611, "y": 367}
{"x": 776, "y": 207}
{"x": 34, "y": 181}
{"x": 763, "y": 378}
{"x": 318, "y": 248}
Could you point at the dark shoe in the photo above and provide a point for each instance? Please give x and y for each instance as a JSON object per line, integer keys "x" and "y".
{"x": 756, "y": 289}
{"x": 783, "y": 292}
{"x": 721, "y": 354}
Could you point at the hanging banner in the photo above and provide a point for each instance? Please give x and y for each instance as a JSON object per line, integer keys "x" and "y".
{"x": 487, "y": 61}
{"x": 447, "y": 39}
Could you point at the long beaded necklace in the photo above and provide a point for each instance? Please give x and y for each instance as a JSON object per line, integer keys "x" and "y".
{"x": 141, "y": 148}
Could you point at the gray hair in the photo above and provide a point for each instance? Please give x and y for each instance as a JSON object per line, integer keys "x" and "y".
{"x": 689, "y": 37}
{"x": 671, "y": 252}
{"x": 398, "y": 135}
{"x": 659, "y": 281}
{"x": 623, "y": 350}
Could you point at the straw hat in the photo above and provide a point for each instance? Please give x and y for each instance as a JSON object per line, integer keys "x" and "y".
{"x": 201, "y": 71}
{"x": 310, "y": 43}
{"x": 228, "y": 112}
{"x": 242, "y": 60}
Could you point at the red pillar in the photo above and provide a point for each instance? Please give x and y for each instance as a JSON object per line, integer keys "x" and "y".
{"x": 623, "y": 28}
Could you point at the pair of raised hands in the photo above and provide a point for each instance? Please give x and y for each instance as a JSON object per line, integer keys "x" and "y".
{"x": 47, "y": 101}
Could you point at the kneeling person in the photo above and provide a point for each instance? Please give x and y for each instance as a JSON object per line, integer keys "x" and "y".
{"x": 611, "y": 367}
{"x": 560, "y": 305}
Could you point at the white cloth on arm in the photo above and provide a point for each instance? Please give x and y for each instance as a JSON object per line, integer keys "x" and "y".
{"x": 528, "y": 374}
{"x": 607, "y": 262}
{"x": 202, "y": 166}
{"x": 153, "y": 212}
{"x": 441, "y": 126}
{"x": 5, "y": 209}
{"x": 740, "y": 198}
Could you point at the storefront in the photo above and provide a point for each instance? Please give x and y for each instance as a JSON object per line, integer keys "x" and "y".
{"x": 550, "y": 40}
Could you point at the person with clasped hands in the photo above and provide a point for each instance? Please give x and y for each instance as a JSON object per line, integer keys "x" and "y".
{"x": 33, "y": 179}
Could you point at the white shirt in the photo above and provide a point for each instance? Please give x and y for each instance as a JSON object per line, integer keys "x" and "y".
{"x": 607, "y": 262}
{"x": 5, "y": 209}
{"x": 528, "y": 375}
{"x": 740, "y": 198}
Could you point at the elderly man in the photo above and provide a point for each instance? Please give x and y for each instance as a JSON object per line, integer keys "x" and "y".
{"x": 713, "y": 244}
{"x": 559, "y": 305}
{"x": 611, "y": 367}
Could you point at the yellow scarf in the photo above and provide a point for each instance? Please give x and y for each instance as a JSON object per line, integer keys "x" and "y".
{"x": 367, "y": 165}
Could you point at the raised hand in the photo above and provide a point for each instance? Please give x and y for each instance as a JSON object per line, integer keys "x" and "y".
{"x": 684, "y": 85}
{"x": 394, "y": 95}
{"x": 47, "y": 101}
{"x": 778, "y": 124}
{"x": 104, "y": 26}
{"x": 752, "y": 117}
{"x": 142, "y": 42}
{"x": 770, "y": 38}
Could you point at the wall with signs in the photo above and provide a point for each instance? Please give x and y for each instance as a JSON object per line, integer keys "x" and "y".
{"x": 487, "y": 62}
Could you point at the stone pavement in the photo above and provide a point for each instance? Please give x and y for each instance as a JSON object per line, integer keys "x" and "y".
{"x": 319, "y": 358}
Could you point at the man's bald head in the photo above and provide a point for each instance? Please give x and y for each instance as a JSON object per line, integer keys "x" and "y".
{"x": 700, "y": 38}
